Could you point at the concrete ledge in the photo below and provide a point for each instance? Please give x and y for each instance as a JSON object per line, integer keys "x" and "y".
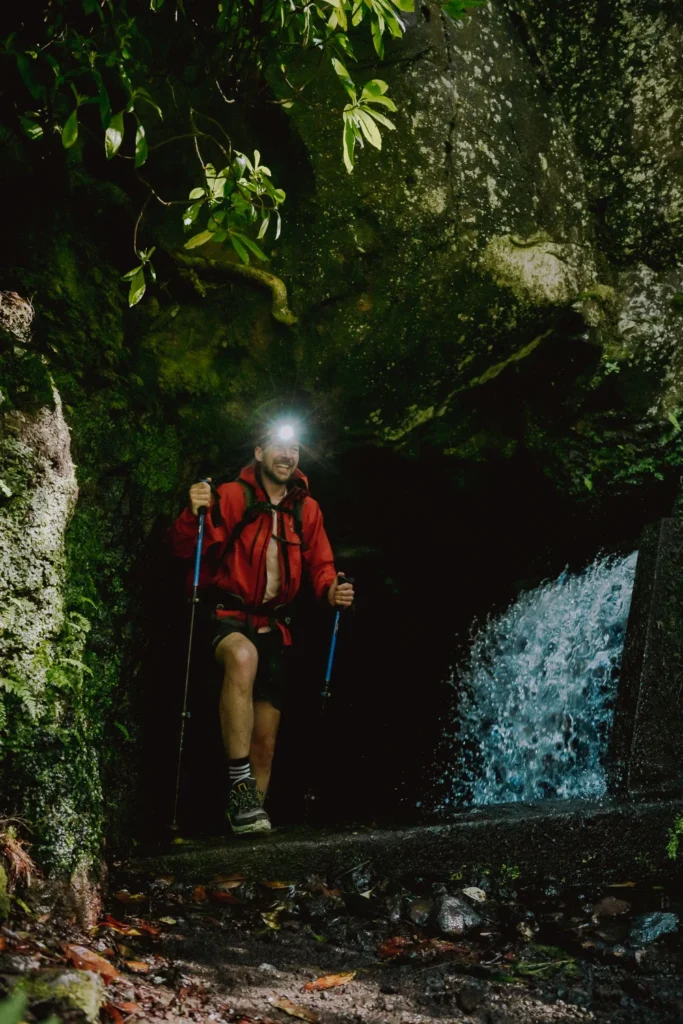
{"x": 573, "y": 841}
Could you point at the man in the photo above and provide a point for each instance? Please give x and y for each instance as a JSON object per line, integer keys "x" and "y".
{"x": 262, "y": 531}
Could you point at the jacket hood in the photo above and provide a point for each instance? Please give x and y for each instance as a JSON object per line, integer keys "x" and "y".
{"x": 298, "y": 488}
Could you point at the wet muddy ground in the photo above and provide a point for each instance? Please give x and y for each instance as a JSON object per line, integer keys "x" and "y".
{"x": 359, "y": 948}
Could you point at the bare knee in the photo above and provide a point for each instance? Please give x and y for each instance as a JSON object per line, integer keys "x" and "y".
{"x": 239, "y": 658}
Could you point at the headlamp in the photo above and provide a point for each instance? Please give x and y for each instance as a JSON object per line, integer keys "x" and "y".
{"x": 285, "y": 432}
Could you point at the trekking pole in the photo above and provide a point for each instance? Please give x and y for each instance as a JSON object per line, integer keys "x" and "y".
{"x": 185, "y": 714}
{"x": 310, "y": 796}
{"x": 333, "y": 646}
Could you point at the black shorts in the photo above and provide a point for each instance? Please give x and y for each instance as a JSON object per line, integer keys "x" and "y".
{"x": 271, "y": 675}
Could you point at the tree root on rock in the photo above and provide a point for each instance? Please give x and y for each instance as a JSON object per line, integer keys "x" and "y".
{"x": 280, "y": 308}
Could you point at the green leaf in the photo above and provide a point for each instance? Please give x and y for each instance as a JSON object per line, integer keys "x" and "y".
{"x": 141, "y": 147}
{"x": 152, "y": 272}
{"x": 190, "y": 215}
{"x": 131, "y": 274}
{"x": 70, "y": 130}
{"x": 12, "y": 1009}
{"x": 156, "y": 5}
{"x": 113, "y": 137}
{"x": 103, "y": 103}
{"x": 264, "y": 226}
{"x": 349, "y": 144}
{"x": 369, "y": 129}
{"x": 347, "y": 81}
{"x": 137, "y": 288}
{"x": 380, "y": 117}
{"x": 377, "y": 40}
{"x": 673, "y": 419}
{"x": 200, "y": 239}
{"x": 588, "y": 483}
{"x": 31, "y": 128}
{"x": 375, "y": 87}
{"x": 239, "y": 249}
{"x": 404, "y": 5}
{"x": 142, "y": 94}
{"x": 257, "y": 251}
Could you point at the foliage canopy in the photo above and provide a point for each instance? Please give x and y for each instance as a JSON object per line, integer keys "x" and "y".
{"x": 108, "y": 73}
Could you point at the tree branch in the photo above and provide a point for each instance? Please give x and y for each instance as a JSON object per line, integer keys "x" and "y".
{"x": 280, "y": 308}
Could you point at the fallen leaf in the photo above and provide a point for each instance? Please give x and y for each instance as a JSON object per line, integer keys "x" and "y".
{"x": 118, "y": 926}
{"x": 3, "y": 942}
{"x": 277, "y": 885}
{"x": 128, "y": 1007}
{"x": 236, "y": 878}
{"x": 84, "y": 959}
{"x": 123, "y": 895}
{"x": 329, "y": 981}
{"x": 127, "y": 952}
{"x": 168, "y": 920}
{"x": 137, "y": 966}
{"x": 621, "y": 885}
{"x": 475, "y": 894}
{"x": 113, "y": 1012}
{"x": 164, "y": 880}
{"x": 220, "y": 896}
{"x": 137, "y": 897}
{"x": 287, "y": 1006}
{"x": 395, "y": 946}
{"x": 271, "y": 919}
{"x": 199, "y": 894}
{"x": 149, "y": 929}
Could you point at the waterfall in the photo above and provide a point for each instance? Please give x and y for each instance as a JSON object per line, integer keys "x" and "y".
{"x": 535, "y": 697}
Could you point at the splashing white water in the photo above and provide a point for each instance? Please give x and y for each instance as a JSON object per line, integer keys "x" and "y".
{"x": 536, "y": 696}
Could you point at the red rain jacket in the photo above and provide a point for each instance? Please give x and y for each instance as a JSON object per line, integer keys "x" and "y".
{"x": 243, "y": 572}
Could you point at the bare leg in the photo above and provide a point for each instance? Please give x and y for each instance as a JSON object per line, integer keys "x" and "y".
{"x": 266, "y": 722}
{"x": 239, "y": 658}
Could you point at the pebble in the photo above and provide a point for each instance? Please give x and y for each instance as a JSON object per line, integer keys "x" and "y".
{"x": 455, "y": 915}
{"x": 647, "y": 928}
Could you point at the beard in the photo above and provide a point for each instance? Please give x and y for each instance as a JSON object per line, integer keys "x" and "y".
{"x": 273, "y": 477}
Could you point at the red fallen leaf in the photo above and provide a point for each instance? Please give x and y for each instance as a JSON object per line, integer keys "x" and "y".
{"x": 118, "y": 926}
{"x": 149, "y": 929}
{"x": 329, "y": 981}
{"x": 223, "y": 897}
{"x": 128, "y": 1007}
{"x": 443, "y": 946}
{"x": 137, "y": 966}
{"x": 113, "y": 1012}
{"x": 84, "y": 959}
{"x": 395, "y": 946}
{"x": 277, "y": 885}
{"x": 3, "y": 942}
{"x": 199, "y": 894}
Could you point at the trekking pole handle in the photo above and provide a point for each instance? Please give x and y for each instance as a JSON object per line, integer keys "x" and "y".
{"x": 201, "y": 514}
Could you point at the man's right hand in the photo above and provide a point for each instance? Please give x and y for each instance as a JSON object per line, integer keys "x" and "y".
{"x": 200, "y": 496}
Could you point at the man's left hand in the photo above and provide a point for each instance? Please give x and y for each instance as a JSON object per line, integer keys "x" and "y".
{"x": 340, "y": 595}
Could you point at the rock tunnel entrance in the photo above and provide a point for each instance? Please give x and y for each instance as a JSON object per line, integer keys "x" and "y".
{"x": 431, "y": 548}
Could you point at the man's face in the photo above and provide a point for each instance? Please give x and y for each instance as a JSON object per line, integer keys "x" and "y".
{"x": 279, "y": 459}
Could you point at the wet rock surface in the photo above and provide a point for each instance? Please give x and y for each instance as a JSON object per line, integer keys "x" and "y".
{"x": 231, "y": 948}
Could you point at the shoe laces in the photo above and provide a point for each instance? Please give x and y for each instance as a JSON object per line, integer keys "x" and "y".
{"x": 245, "y": 797}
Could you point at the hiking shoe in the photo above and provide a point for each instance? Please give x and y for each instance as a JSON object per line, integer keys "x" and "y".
{"x": 245, "y": 812}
